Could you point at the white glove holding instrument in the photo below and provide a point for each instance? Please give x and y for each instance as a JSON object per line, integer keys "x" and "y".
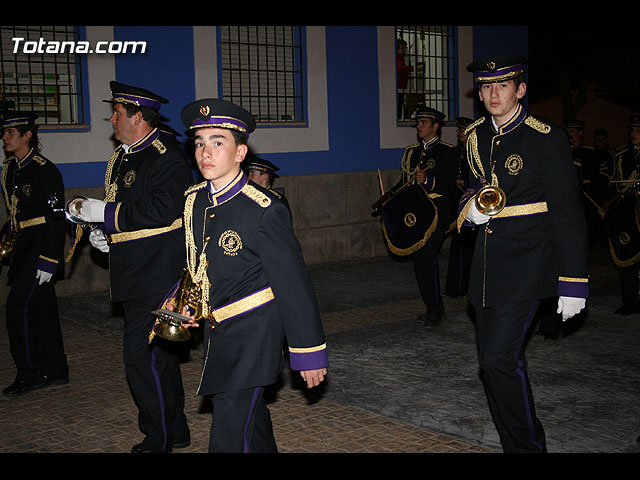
{"x": 98, "y": 239}
{"x": 43, "y": 276}
{"x": 475, "y": 216}
{"x": 570, "y": 306}
{"x": 92, "y": 210}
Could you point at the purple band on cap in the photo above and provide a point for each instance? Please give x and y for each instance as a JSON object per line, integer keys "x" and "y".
{"x": 504, "y": 73}
{"x": 136, "y": 100}
{"x": 14, "y": 122}
{"x": 221, "y": 122}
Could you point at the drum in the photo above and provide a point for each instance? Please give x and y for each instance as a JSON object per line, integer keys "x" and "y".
{"x": 623, "y": 228}
{"x": 408, "y": 218}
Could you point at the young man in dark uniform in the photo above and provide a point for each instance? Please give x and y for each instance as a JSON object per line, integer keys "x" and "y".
{"x": 242, "y": 252}
{"x": 33, "y": 188}
{"x": 434, "y": 164}
{"x": 534, "y": 248}
{"x": 141, "y": 229}
{"x": 621, "y": 220}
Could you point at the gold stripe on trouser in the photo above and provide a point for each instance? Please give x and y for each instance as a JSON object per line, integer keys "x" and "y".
{"x": 32, "y": 222}
{"x": 147, "y": 232}
{"x": 243, "y": 305}
{"x": 518, "y": 210}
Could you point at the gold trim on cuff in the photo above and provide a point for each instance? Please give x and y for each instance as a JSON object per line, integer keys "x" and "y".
{"x": 144, "y": 233}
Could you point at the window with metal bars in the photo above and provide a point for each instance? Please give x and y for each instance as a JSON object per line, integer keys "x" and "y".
{"x": 426, "y": 70}
{"x": 34, "y": 79}
{"x": 262, "y": 70}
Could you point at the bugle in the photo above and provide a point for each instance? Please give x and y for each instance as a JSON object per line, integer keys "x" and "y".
{"x": 169, "y": 323}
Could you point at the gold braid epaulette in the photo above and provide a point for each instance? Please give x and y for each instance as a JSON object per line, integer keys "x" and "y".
{"x": 537, "y": 125}
{"x": 39, "y": 159}
{"x": 256, "y": 195}
{"x": 194, "y": 188}
{"x": 473, "y": 125}
{"x": 159, "y": 146}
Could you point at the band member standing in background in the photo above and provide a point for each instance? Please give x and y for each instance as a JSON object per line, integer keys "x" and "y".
{"x": 433, "y": 165}
{"x": 33, "y": 187}
{"x": 621, "y": 220}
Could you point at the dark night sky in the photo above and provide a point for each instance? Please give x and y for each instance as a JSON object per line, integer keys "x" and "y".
{"x": 609, "y": 52}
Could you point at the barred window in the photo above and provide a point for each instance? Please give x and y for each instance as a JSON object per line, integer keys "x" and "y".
{"x": 426, "y": 70}
{"x": 38, "y": 78}
{"x": 262, "y": 70}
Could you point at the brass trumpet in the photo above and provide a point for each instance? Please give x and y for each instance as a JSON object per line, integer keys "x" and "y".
{"x": 8, "y": 244}
{"x": 169, "y": 324}
{"x": 490, "y": 200}
{"x": 73, "y": 209}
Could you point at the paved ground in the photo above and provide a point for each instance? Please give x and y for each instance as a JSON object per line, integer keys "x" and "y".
{"x": 393, "y": 386}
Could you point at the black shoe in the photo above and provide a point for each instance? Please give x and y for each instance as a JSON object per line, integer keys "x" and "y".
{"x": 140, "y": 449}
{"x": 432, "y": 320}
{"x": 46, "y": 381}
{"x": 19, "y": 387}
{"x": 182, "y": 444}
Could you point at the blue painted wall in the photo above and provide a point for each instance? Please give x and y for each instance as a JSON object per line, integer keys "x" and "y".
{"x": 352, "y": 93}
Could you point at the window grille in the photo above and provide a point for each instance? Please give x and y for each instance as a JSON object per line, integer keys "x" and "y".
{"x": 262, "y": 71}
{"x": 39, "y": 78}
{"x": 426, "y": 70}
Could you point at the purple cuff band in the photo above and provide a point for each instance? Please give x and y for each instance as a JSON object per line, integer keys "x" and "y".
{"x": 309, "y": 361}
{"x": 573, "y": 289}
{"x": 47, "y": 265}
{"x": 110, "y": 217}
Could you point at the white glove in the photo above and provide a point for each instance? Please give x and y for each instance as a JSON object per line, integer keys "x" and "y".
{"x": 98, "y": 239}
{"x": 570, "y": 306}
{"x": 475, "y": 216}
{"x": 92, "y": 210}
{"x": 43, "y": 276}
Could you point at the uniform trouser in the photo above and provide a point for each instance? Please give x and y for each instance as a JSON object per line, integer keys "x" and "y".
{"x": 425, "y": 266}
{"x": 502, "y": 334}
{"x": 33, "y": 326}
{"x": 241, "y": 423}
{"x": 154, "y": 376}
{"x": 630, "y": 285}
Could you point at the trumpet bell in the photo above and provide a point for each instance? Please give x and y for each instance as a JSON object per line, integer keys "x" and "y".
{"x": 491, "y": 200}
{"x": 73, "y": 208}
{"x": 169, "y": 326}
{"x": 8, "y": 245}
{"x": 7, "y": 249}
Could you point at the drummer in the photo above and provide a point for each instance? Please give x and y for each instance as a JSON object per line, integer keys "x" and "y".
{"x": 622, "y": 217}
{"x": 434, "y": 164}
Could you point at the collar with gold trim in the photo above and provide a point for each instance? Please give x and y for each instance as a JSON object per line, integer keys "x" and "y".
{"x": 516, "y": 119}
{"x": 231, "y": 190}
{"x": 431, "y": 143}
{"x": 144, "y": 142}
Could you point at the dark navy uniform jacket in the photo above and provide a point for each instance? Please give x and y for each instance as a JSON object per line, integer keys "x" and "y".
{"x": 537, "y": 247}
{"x": 34, "y": 180}
{"x": 251, "y": 249}
{"x": 144, "y": 219}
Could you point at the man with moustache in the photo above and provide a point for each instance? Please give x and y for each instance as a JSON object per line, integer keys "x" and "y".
{"x": 140, "y": 224}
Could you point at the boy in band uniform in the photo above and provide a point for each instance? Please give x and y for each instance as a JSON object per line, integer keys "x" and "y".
{"x": 242, "y": 252}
